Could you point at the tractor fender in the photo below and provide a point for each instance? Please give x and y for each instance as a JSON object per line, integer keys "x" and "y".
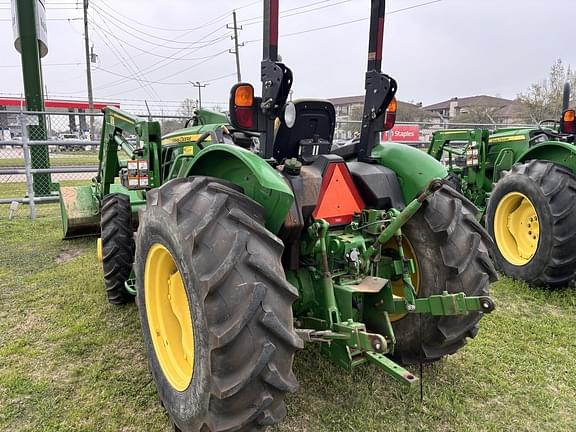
{"x": 554, "y": 151}
{"x": 414, "y": 168}
{"x": 254, "y": 175}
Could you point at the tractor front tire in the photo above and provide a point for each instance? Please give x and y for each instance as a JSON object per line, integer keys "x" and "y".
{"x": 117, "y": 246}
{"x": 451, "y": 254}
{"x": 531, "y": 215}
{"x": 215, "y": 307}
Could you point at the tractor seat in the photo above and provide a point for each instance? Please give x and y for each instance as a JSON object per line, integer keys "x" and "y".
{"x": 311, "y": 134}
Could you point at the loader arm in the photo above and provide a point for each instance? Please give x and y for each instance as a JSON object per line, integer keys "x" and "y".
{"x": 116, "y": 125}
{"x": 80, "y": 205}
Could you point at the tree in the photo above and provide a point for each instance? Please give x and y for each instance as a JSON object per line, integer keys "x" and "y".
{"x": 543, "y": 99}
{"x": 410, "y": 112}
{"x": 481, "y": 114}
{"x": 171, "y": 125}
{"x": 187, "y": 107}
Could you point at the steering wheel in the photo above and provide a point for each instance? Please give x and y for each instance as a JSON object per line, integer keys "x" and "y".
{"x": 555, "y": 122}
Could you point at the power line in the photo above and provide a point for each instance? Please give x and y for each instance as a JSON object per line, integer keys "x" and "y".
{"x": 172, "y": 58}
{"x": 217, "y": 19}
{"x": 181, "y": 71}
{"x": 285, "y": 14}
{"x": 50, "y": 19}
{"x": 129, "y": 79}
{"x": 139, "y": 74}
{"x": 347, "y": 22}
{"x": 8, "y": 94}
{"x": 130, "y": 69}
{"x": 206, "y": 43}
{"x": 149, "y": 52}
{"x": 43, "y": 65}
{"x": 180, "y": 49}
{"x": 121, "y": 25}
{"x": 161, "y": 82}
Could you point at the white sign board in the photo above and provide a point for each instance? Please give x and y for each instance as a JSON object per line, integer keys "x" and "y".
{"x": 41, "y": 28}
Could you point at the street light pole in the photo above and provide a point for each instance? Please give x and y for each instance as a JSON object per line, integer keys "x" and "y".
{"x": 200, "y": 86}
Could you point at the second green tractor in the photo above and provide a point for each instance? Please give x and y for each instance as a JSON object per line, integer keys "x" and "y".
{"x": 523, "y": 181}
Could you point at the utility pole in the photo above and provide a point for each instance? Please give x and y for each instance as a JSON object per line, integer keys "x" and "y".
{"x": 236, "y": 52}
{"x": 200, "y": 86}
{"x": 29, "y": 16}
{"x": 88, "y": 70}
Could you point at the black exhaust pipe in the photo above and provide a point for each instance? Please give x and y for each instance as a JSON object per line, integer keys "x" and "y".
{"x": 566, "y": 97}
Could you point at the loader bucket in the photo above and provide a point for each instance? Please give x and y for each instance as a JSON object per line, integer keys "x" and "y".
{"x": 80, "y": 211}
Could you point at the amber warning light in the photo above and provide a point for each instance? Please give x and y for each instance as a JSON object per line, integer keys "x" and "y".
{"x": 568, "y": 123}
{"x": 390, "y": 116}
{"x": 242, "y": 111}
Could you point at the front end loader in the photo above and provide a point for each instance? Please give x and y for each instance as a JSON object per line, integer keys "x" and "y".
{"x": 259, "y": 238}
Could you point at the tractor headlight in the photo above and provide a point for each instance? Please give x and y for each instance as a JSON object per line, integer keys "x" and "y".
{"x": 290, "y": 114}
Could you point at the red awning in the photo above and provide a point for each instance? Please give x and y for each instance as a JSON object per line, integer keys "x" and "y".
{"x": 58, "y": 104}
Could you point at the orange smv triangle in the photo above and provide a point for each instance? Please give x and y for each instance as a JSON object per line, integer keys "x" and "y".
{"x": 339, "y": 199}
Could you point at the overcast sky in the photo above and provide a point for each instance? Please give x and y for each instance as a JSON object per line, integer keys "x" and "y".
{"x": 436, "y": 51}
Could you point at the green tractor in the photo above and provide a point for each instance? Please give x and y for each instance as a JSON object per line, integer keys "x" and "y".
{"x": 523, "y": 181}
{"x": 253, "y": 237}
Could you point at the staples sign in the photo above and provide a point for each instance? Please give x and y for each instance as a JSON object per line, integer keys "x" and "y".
{"x": 403, "y": 133}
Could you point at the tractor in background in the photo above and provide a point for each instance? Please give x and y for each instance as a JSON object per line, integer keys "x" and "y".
{"x": 523, "y": 181}
{"x": 253, "y": 237}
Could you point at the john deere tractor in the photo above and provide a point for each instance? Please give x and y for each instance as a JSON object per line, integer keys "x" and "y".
{"x": 253, "y": 238}
{"x": 524, "y": 184}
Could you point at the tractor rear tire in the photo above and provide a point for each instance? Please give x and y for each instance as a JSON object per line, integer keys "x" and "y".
{"x": 548, "y": 191}
{"x": 117, "y": 247}
{"x": 238, "y": 302}
{"x": 454, "y": 181}
{"x": 451, "y": 254}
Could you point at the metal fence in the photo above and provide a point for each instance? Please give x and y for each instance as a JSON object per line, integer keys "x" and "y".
{"x": 40, "y": 151}
{"x": 350, "y": 129}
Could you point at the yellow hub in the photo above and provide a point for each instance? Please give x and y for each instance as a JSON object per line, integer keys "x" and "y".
{"x": 398, "y": 285}
{"x": 99, "y": 249}
{"x": 169, "y": 318}
{"x": 516, "y": 228}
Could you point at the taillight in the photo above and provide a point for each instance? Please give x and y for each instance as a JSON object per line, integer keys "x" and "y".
{"x": 568, "y": 122}
{"x": 244, "y": 118}
{"x": 339, "y": 199}
{"x": 243, "y": 111}
{"x": 390, "y": 115}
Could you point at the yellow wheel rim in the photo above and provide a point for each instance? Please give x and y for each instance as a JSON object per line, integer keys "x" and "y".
{"x": 99, "y": 249}
{"x": 398, "y": 285}
{"x": 169, "y": 318}
{"x": 516, "y": 228}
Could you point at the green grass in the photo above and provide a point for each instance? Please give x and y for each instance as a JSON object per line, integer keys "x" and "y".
{"x": 71, "y": 362}
{"x": 58, "y": 159}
